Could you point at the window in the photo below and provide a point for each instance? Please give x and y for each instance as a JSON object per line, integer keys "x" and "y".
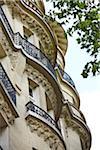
{"x": 33, "y": 92}
{"x": 30, "y": 92}
{"x": 49, "y": 107}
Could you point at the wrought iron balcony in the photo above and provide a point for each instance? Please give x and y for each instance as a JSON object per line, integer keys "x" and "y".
{"x": 29, "y": 48}
{"x": 7, "y": 25}
{"x": 7, "y": 84}
{"x": 76, "y": 113}
{"x": 78, "y": 120}
{"x": 34, "y": 108}
{"x": 66, "y": 76}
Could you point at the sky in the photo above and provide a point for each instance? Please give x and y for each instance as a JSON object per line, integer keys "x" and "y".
{"x": 89, "y": 89}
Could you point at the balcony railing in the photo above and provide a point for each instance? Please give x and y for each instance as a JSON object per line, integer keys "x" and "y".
{"x": 66, "y": 76}
{"x": 7, "y": 84}
{"x": 5, "y": 21}
{"x": 29, "y": 48}
{"x": 76, "y": 113}
{"x": 34, "y": 108}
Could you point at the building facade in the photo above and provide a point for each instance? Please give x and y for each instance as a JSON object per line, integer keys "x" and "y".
{"x": 39, "y": 103}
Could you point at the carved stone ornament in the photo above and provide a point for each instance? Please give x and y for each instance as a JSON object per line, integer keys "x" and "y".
{"x": 34, "y": 26}
{"x": 71, "y": 123}
{"x": 4, "y": 107}
{"x": 36, "y": 76}
{"x": 13, "y": 56}
{"x": 43, "y": 131}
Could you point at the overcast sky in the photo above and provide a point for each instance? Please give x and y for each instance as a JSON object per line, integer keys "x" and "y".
{"x": 89, "y": 89}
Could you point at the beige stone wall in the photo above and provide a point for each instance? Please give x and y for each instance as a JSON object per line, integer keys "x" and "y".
{"x": 71, "y": 137}
{"x": 69, "y": 94}
{"x": 22, "y": 139}
{"x": 68, "y": 97}
{"x": 73, "y": 140}
{"x": 4, "y": 138}
{"x": 19, "y": 136}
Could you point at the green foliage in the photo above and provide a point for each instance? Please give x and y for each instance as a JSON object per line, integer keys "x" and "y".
{"x": 85, "y": 16}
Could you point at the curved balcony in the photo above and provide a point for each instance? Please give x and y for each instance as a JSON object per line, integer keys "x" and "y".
{"x": 69, "y": 82}
{"x": 33, "y": 51}
{"x": 36, "y": 113}
{"x": 80, "y": 122}
{"x": 5, "y": 81}
{"x": 29, "y": 48}
{"x": 47, "y": 33}
{"x": 40, "y": 112}
{"x": 8, "y": 96}
{"x": 66, "y": 77}
{"x": 34, "y": 57}
{"x": 76, "y": 113}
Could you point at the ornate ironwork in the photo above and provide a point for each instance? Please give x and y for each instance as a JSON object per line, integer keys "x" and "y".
{"x": 76, "y": 112}
{"x": 7, "y": 84}
{"x": 66, "y": 76}
{"x": 29, "y": 48}
{"x": 34, "y": 108}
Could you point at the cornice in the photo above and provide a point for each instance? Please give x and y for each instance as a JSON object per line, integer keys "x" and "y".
{"x": 43, "y": 131}
{"x": 6, "y": 110}
{"x": 62, "y": 41}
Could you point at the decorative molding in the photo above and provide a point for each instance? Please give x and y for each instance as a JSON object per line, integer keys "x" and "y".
{"x": 58, "y": 30}
{"x": 46, "y": 133}
{"x": 34, "y": 26}
{"x": 36, "y": 76}
{"x": 77, "y": 127}
{"x": 13, "y": 56}
{"x": 6, "y": 109}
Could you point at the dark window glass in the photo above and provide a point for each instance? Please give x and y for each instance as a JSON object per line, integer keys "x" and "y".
{"x": 30, "y": 92}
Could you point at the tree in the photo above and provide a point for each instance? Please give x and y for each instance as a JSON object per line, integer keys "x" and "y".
{"x": 86, "y": 22}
